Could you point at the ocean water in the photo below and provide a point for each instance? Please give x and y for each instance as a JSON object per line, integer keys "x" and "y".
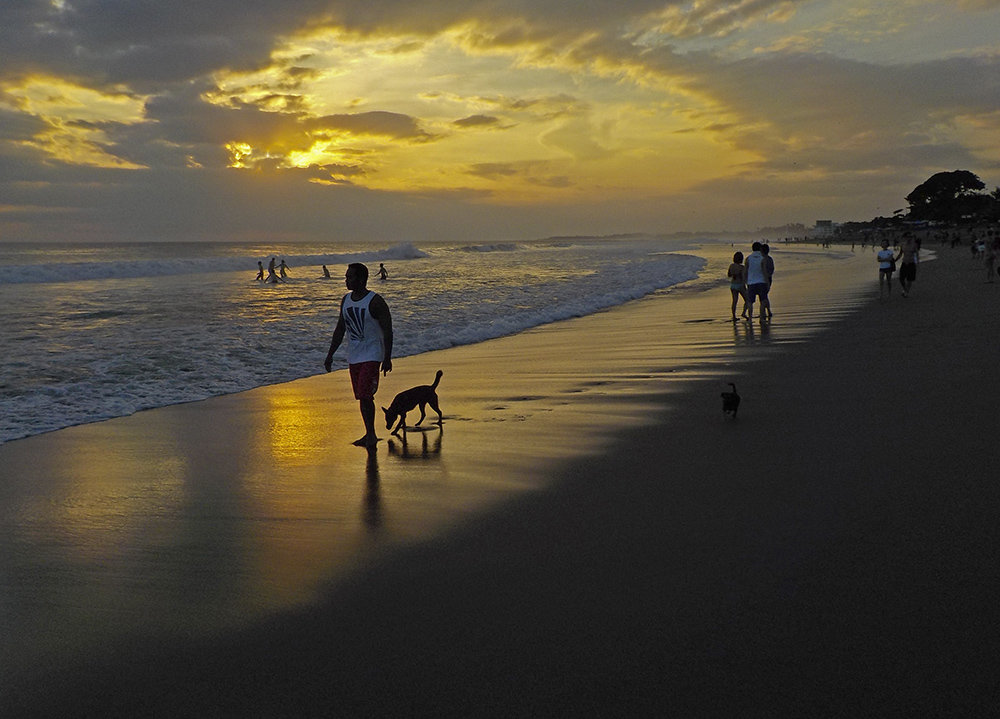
{"x": 94, "y": 332}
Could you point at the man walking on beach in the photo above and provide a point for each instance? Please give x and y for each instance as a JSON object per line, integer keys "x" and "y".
{"x": 765, "y": 250}
{"x": 365, "y": 318}
{"x": 908, "y": 262}
{"x": 756, "y": 281}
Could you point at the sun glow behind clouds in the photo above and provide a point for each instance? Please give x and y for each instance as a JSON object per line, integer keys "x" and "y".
{"x": 72, "y": 118}
{"x": 659, "y": 108}
{"x": 493, "y": 124}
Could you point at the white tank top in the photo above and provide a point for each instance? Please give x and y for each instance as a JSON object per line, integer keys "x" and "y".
{"x": 364, "y": 333}
{"x": 755, "y": 269}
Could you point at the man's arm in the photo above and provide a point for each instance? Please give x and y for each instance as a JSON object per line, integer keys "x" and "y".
{"x": 338, "y": 337}
{"x": 380, "y": 311}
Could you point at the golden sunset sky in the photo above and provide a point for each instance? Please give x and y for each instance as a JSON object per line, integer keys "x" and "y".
{"x": 403, "y": 120}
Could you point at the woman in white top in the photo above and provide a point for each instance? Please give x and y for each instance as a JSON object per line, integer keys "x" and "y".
{"x": 886, "y": 259}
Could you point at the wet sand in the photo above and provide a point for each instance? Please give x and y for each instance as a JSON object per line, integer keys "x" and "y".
{"x": 587, "y": 535}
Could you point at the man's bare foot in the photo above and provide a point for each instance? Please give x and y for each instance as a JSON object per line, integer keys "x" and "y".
{"x": 366, "y": 441}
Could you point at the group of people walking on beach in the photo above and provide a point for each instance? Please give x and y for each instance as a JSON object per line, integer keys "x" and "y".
{"x": 751, "y": 279}
{"x": 901, "y": 251}
{"x": 985, "y": 249}
{"x": 272, "y": 272}
{"x": 909, "y": 254}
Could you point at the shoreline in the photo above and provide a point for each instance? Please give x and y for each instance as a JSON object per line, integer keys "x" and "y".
{"x": 134, "y": 348}
{"x": 638, "y": 569}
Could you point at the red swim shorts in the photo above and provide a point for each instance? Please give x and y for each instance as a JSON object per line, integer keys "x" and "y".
{"x": 364, "y": 378}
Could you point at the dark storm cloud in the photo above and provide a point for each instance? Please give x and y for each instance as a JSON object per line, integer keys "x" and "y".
{"x": 385, "y": 124}
{"x": 18, "y": 126}
{"x": 143, "y": 43}
{"x": 822, "y": 111}
{"x": 477, "y": 121}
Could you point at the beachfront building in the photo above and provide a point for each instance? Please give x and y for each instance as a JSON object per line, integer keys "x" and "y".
{"x": 824, "y": 228}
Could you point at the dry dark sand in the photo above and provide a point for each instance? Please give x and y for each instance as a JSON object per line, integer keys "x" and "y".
{"x": 588, "y": 536}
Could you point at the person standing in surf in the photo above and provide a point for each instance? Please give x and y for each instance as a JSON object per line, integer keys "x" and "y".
{"x": 365, "y": 319}
{"x": 272, "y": 278}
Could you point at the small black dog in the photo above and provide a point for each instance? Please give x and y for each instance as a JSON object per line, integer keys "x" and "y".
{"x": 408, "y": 399}
{"x": 730, "y": 401}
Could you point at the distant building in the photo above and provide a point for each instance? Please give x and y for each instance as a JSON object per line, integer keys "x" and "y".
{"x": 823, "y": 228}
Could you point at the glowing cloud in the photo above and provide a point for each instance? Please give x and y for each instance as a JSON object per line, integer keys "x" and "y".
{"x": 666, "y": 113}
{"x": 73, "y": 119}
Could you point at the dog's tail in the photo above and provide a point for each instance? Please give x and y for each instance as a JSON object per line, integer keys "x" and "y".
{"x": 437, "y": 378}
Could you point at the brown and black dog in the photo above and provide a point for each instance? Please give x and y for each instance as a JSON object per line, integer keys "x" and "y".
{"x": 407, "y": 400}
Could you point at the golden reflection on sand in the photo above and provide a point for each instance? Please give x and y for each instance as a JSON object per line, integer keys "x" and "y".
{"x": 197, "y": 517}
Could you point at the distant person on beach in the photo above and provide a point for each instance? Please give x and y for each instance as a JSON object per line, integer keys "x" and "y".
{"x": 756, "y": 281}
{"x": 908, "y": 256}
{"x": 383, "y": 274}
{"x": 260, "y": 270}
{"x": 737, "y": 275}
{"x": 765, "y": 249}
{"x": 886, "y": 259}
{"x": 989, "y": 259}
{"x": 326, "y": 272}
{"x": 365, "y": 318}
{"x": 271, "y": 276}
{"x": 282, "y": 267}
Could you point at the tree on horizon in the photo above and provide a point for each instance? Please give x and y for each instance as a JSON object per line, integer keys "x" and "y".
{"x": 950, "y": 197}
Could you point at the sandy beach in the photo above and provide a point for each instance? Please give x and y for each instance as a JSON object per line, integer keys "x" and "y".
{"x": 587, "y": 535}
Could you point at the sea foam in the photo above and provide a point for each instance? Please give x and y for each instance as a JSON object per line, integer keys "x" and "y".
{"x": 133, "y": 269}
{"x": 104, "y": 338}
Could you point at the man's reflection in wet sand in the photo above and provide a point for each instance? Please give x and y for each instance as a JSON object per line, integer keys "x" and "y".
{"x": 372, "y": 513}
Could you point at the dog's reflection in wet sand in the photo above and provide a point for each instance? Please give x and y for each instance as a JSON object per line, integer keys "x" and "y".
{"x": 428, "y": 450}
